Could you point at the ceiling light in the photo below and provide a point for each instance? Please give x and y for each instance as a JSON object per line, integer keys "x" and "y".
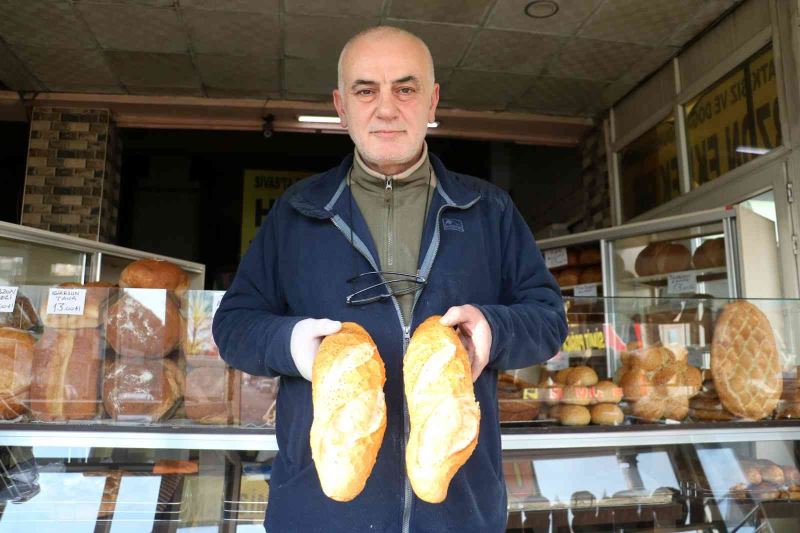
{"x": 752, "y": 150}
{"x": 541, "y": 9}
{"x": 336, "y": 120}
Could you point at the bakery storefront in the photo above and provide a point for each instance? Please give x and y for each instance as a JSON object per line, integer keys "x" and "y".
{"x": 673, "y": 405}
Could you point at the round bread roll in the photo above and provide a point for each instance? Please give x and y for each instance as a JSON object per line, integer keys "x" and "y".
{"x": 554, "y": 411}
{"x": 582, "y": 376}
{"x": 574, "y": 415}
{"x": 16, "y": 359}
{"x": 142, "y": 390}
{"x": 589, "y": 256}
{"x": 562, "y": 375}
{"x": 607, "y": 414}
{"x": 635, "y": 384}
{"x": 752, "y": 475}
{"x": 649, "y": 408}
{"x": 679, "y": 351}
{"x": 673, "y": 257}
{"x": 710, "y": 254}
{"x": 693, "y": 379}
{"x": 676, "y": 409}
{"x": 577, "y": 395}
{"x": 652, "y": 358}
{"x": 772, "y": 473}
{"x": 568, "y": 277}
{"x": 791, "y": 475}
{"x": 606, "y": 392}
{"x": 765, "y": 491}
{"x": 592, "y": 274}
{"x": 154, "y": 274}
{"x": 646, "y": 260}
{"x": 551, "y": 395}
{"x": 134, "y": 329}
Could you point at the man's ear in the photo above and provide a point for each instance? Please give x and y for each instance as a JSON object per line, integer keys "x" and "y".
{"x": 434, "y": 103}
{"x": 337, "y": 103}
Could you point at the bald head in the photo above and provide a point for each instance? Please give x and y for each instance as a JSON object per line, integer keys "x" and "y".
{"x": 378, "y": 34}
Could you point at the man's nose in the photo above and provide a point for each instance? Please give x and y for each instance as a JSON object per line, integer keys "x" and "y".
{"x": 387, "y": 109}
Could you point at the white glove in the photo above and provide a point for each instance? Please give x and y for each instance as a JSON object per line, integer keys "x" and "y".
{"x": 306, "y": 338}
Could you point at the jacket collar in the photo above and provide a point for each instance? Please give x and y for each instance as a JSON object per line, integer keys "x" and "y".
{"x": 323, "y": 195}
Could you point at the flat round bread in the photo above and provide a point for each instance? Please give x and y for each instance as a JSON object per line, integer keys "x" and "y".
{"x": 745, "y": 362}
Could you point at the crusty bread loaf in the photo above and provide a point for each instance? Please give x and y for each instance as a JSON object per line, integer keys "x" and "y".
{"x": 143, "y": 329}
{"x": 645, "y": 262}
{"x": 66, "y": 374}
{"x": 745, "y": 361}
{"x": 568, "y": 277}
{"x": 22, "y": 317}
{"x": 142, "y": 390}
{"x": 154, "y": 274}
{"x": 589, "y": 256}
{"x": 592, "y": 274}
{"x": 444, "y": 416}
{"x": 710, "y": 254}
{"x": 97, "y": 294}
{"x": 349, "y": 411}
{"x": 16, "y": 357}
{"x": 672, "y": 257}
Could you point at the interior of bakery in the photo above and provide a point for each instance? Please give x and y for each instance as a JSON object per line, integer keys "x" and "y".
{"x": 652, "y": 148}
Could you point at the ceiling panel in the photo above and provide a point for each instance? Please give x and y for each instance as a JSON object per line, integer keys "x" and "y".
{"x": 455, "y": 11}
{"x": 152, "y": 3}
{"x": 57, "y": 67}
{"x": 157, "y": 29}
{"x": 517, "y": 52}
{"x": 559, "y": 95}
{"x": 357, "y": 8}
{"x": 144, "y": 69}
{"x": 305, "y": 76}
{"x": 510, "y": 15}
{"x": 485, "y": 89}
{"x": 321, "y": 37}
{"x": 257, "y": 72}
{"x": 248, "y": 6}
{"x": 172, "y": 91}
{"x": 447, "y": 42}
{"x": 233, "y": 33}
{"x": 14, "y": 73}
{"x": 594, "y": 60}
{"x": 42, "y": 23}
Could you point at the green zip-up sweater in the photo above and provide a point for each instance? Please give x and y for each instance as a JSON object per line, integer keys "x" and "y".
{"x": 392, "y": 207}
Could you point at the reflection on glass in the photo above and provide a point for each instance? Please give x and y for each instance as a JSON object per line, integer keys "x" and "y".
{"x": 25, "y": 263}
{"x": 735, "y": 120}
{"x": 135, "y": 509}
{"x": 560, "y": 478}
{"x": 649, "y": 170}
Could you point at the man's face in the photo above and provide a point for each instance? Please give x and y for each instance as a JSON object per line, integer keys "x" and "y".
{"x": 387, "y": 99}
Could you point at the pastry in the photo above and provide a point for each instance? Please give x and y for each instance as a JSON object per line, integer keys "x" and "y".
{"x": 745, "y": 362}
{"x": 349, "y": 411}
{"x": 444, "y": 416}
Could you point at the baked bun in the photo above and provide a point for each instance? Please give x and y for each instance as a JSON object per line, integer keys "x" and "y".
{"x": 16, "y": 357}
{"x": 606, "y": 392}
{"x": 710, "y": 254}
{"x": 97, "y": 294}
{"x": 568, "y": 277}
{"x": 607, "y": 414}
{"x": 589, "y": 256}
{"x": 592, "y": 274}
{"x": 147, "y": 328}
{"x": 574, "y": 415}
{"x": 772, "y": 473}
{"x": 142, "y": 390}
{"x": 349, "y": 411}
{"x": 576, "y": 395}
{"x": 444, "y": 416}
{"x": 582, "y": 376}
{"x": 154, "y": 274}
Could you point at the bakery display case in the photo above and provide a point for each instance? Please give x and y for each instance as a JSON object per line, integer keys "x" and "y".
{"x": 30, "y": 256}
{"x": 576, "y": 263}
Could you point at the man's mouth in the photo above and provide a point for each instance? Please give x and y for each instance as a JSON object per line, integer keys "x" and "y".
{"x": 387, "y": 133}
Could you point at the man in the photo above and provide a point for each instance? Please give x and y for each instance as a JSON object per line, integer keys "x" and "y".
{"x": 454, "y": 245}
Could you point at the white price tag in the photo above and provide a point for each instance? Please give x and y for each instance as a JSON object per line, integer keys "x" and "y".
{"x": 587, "y": 290}
{"x": 62, "y": 301}
{"x": 215, "y": 302}
{"x": 8, "y": 295}
{"x": 556, "y": 257}
{"x": 682, "y": 283}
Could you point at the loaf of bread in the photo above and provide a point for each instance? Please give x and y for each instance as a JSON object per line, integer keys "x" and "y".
{"x": 349, "y": 411}
{"x": 22, "y": 317}
{"x": 710, "y": 254}
{"x": 97, "y": 294}
{"x": 745, "y": 361}
{"x": 663, "y": 258}
{"x": 589, "y": 256}
{"x": 16, "y": 357}
{"x": 208, "y": 397}
{"x": 444, "y": 416}
{"x": 148, "y": 328}
{"x": 142, "y": 390}
{"x": 591, "y": 274}
{"x": 66, "y": 374}
{"x": 155, "y": 274}
{"x": 568, "y": 277}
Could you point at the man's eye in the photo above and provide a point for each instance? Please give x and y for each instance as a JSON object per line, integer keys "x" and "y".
{"x": 364, "y": 92}
{"x": 406, "y": 90}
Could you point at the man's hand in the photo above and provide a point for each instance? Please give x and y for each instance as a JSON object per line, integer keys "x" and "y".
{"x": 474, "y": 332}
{"x": 306, "y": 338}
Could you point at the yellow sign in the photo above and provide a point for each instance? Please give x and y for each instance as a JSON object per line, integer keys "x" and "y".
{"x": 260, "y": 191}
{"x": 578, "y": 342}
{"x": 735, "y": 121}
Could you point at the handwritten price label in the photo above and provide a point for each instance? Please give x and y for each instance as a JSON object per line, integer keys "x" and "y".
{"x": 682, "y": 283}
{"x": 62, "y": 301}
{"x": 588, "y": 290}
{"x": 8, "y": 295}
{"x": 556, "y": 258}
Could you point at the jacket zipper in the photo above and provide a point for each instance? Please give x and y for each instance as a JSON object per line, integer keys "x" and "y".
{"x": 388, "y": 195}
